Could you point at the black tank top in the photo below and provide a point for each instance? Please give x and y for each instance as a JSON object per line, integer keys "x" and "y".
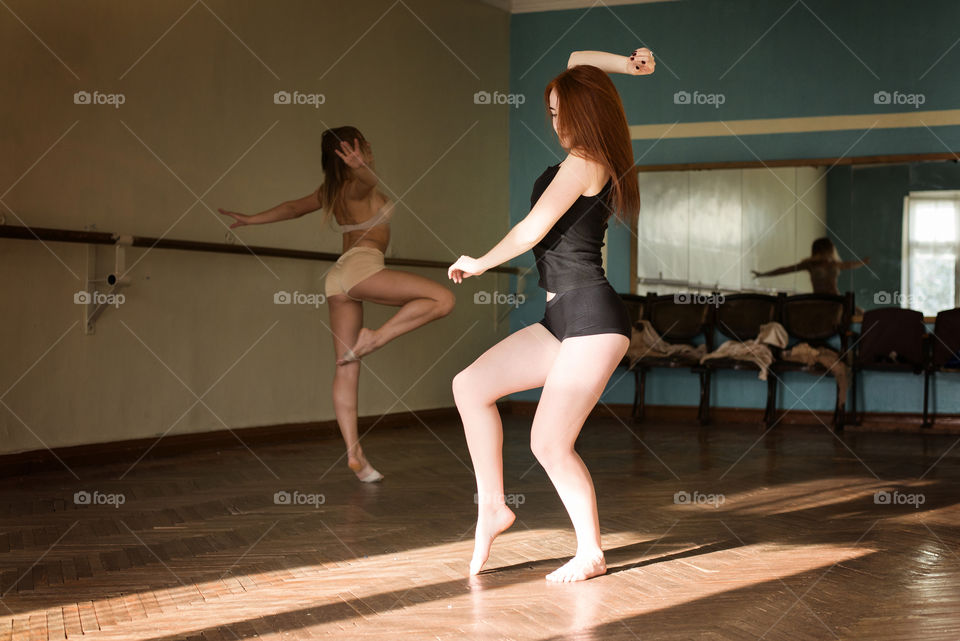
{"x": 569, "y": 255}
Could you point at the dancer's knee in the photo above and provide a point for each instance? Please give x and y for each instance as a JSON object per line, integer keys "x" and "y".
{"x": 468, "y": 388}
{"x": 548, "y": 452}
{"x": 445, "y": 302}
{"x": 461, "y": 386}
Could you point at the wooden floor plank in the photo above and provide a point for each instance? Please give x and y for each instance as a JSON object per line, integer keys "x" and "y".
{"x": 717, "y": 533}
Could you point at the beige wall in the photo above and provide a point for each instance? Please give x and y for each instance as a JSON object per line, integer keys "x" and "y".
{"x": 199, "y": 117}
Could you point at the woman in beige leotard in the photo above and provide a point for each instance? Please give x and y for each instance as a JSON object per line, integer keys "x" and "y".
{"x": 349, "y": 195}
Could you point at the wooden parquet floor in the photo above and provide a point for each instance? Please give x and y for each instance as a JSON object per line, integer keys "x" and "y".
{"x": 716, "y": 534}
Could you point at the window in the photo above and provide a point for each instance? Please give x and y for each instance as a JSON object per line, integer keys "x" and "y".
{"x": 931, "y": 233}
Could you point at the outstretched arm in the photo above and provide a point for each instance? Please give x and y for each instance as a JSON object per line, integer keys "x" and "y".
{"x": 572, "y": 179}
{"x": 781, "y": 270}
{"x": 639, "y": 63}
{"x": 853, "y": 264}
{"x": 283, "y": 211}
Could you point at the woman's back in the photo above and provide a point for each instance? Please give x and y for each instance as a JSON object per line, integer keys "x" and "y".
{"x": 365, "y": 222}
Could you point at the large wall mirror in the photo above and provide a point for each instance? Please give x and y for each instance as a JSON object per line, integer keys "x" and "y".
{"x": 893, "y": 221}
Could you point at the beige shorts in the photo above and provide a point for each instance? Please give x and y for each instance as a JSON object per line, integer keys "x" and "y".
{"x": 356, "y": 264}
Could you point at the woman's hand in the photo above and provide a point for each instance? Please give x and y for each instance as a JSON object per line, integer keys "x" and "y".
{"x": 352, "y": 156}
{"x": 240, "y": 218}
{"x": 465, "y": 267}
{"x": 641, "y": 62}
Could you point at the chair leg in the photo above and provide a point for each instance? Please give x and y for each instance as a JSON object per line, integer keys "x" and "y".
{"x": 643, "y": 396}
{"x": 853, "y": 393}
{"x": 838, "y": 413}
{"x": 927, "y": 375}
{"x": 703, "y": 414}
{"x": 636, "y": 394}
{"x": 770, "y": 411}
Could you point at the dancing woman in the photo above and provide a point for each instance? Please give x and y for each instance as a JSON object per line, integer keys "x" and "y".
{"x": 349, "y": 196}
{"x": 585, "y": 330}
{"x": 824, "y": 265}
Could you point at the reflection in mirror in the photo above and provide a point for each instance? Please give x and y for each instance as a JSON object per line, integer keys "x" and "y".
{"x": 887, "y": 231}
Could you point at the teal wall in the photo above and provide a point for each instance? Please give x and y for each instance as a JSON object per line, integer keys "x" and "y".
{"x": 818, "y": 58}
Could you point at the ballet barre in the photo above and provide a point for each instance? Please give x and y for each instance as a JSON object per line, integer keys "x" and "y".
{"x": 106, "y": 238}
{"x": 118, "y": 278}
{"x": 709, "y": 287}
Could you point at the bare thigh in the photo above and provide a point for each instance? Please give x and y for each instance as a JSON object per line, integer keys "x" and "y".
{"x": 576, "y": 380}
{"x": 395, "y": 287}
{"x": 521, "y": 361}
{"x": 346, "y": 319}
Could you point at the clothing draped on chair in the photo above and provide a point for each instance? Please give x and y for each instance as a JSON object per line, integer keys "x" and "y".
{"x": 829, "y": 358}
{"x": 756, "y": 350}
{"x": 646, "y": 343}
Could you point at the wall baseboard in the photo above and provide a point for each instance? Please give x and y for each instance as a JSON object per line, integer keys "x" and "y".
{"x": 23, "y": 463}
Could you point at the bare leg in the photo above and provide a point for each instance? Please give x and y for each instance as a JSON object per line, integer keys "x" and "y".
{"x": 578, "y": 377}
{"x": 520, "y": 361}
{"x": 420, "y": 299}
{"x": 346, "y": 317}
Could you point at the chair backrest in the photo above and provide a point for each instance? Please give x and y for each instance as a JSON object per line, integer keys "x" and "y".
{"x": 740, "y": 316}
{"x": 634, "y": 304}
{"x": 891, "y": 329}
{"x": 946, "y": 336}
{"x": 816, "y": 318}
{"x": 679, "y": 318}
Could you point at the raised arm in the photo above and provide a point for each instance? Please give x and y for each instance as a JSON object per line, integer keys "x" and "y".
{"x": 283, "y": 211}
{"x": 639, "y": 63}
{"x": 363, "y": 177}
{"x": 572, "y": 179}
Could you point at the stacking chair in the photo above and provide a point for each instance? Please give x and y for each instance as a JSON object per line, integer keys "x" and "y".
{"x": 892, "y": 339}
{"x": 739, "y": 318}
{"x": 676, "y": 322}
{"x": 943, "y": 353}
{"x": 817, "y": 319}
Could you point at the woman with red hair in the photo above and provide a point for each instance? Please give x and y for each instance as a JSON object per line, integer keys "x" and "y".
{"x": 585, "y": 330}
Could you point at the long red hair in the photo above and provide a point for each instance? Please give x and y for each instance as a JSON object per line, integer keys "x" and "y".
{"x": 590, "y": 117}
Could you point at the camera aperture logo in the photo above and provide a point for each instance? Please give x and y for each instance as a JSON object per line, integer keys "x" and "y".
{"x": 698, "y": 98}
{"x": 497, "y": 298}
{"x": 299, "y": 98}
{"x": 298, "y": 498}
{"x": 688, "y": 298}
{"x": 84, "y": 497}
{"x": 897, "y": 299}
{"x": 98, "y": 298}
{"x": 298, "y": 298}
{"x": 98, "y": 98}
{"x": 497, "y": 98}
{"x": 883, "y": 497}
{"x": 898, "y": 98}
{"x": 698, "y": 498}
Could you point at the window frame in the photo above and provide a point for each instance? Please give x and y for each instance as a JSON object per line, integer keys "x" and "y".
{"x": 909, "y": 246}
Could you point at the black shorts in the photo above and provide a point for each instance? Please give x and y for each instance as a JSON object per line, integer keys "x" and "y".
{"x": 585, "y": 311}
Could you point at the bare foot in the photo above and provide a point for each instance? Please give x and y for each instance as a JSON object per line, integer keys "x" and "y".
{"x": 490, "y": 522}
{"x": 367, "y": 341}
{"x": 580, "y": 568}
{"x": 362, "y": 468}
